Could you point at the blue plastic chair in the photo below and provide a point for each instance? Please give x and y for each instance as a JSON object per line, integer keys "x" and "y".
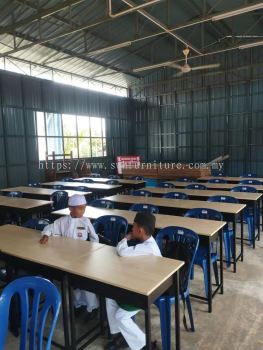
{"x": 111, "y": 228}
{"x": 87, "y": 181}
{"x": 150, "y": 208}
{"x": 138, "y": 178}
{"x": 249, "y": 175}
{"x": 166, "y": 185}
{"x": 24, "y": 287}
{"x": 36, "y": 224}
{"x": 248, "y": 216}
{"x": 217, "y": 181}
{"x": 228, "y": 233}
{"x": 68, "y": 179}
{"x": 196, "y": 187}
{"x": 82, "y": 189}
{"x": 17, "y": 194}
{"x": 102, "y": 203}
{"x": 190, "y": 239}
{"x": 200, "y": 258}
{"x": 58, "y": 187}
{"x": 113, "y": 177}
{"x": 60, "y": 200}
{"x": 143, "y": 193}
{"x": 250, "y": 182}
{"x": 184, "y": 179}
{"x": 175, "y": 195}
{"x": 112, "y": 182}
{"x": 94, "y": 175}
{"x": 34, "y": 184}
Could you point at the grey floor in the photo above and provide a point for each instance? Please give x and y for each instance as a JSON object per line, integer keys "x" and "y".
{"x": 236, "y": 322}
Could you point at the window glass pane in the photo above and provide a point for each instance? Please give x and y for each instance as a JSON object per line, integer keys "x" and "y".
{"x": 96, "y": 144}
{"x": 42, "y": 148}
{"x": 69, "y": 125}
{"x": 55, "y": 144}
{"x": 103, "y": 127}
{"x": 53, "y": 124}
{"x": 70, "y": 144}
{"x": 40, "y": 124}
{"x": 84, "y": 148}
{"x": 83, "y": 126}
{"x": 95, "y": 127}
{"x": 104, "y": 147}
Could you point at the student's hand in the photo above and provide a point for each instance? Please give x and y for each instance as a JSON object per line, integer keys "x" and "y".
{"x": 44, "y": 239}
{"x": 129, "y": 236}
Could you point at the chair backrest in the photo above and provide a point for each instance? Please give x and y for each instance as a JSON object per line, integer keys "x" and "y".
{"x": 217, "y": 181}
{"x": 27, "y": 288}
{"x": 166, "y": 185}
{"x": 185, "y": 247}
{"x": 204, "y": 213}
{"x": 113, "y": 177}
{"x": 15, "y": 194}
{"x": 225, "y": 199}
{"x": 110, "y": 228}
{"x": 143, "y": 193}
{"x": 82, "y": 189}
{"x": 138, "y": 178}
{"x": 249, "y": 175}
{"x": 150, "y": 208}
{"x": 244, "y": 188}
{"x": 112, "y": 182}
{"x": 37, "y": 224}
{"x": 184, "y": 179}
{"x": 250, "y": 182}
{"x": 60, "y": 200}
{"x": 68, "y": 179}
{"x": 94, "y": 175}
{"x": 87, "y": 181}
{"x": 58, "y": 187}
{"x": 102, "y": 203}
{"x": 196, "y": 187}
{"x": 220, "y": 174}
{"x": 175, "y": 195}
{"x": 34, "y": 184}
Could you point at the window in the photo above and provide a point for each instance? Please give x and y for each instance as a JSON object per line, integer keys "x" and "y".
{"x": 84, "y": 136}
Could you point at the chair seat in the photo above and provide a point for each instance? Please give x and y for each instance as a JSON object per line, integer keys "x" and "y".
{"x": 201, "y": 255}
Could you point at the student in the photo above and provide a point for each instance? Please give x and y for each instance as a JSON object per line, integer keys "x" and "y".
{"x": 137, "y": 242}
{"x": 75, "y": 226}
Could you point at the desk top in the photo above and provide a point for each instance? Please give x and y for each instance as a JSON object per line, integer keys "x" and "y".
{"x": 91, "y": 186}
{"x": 42, "y": 191}
{"x": 215, "y": 186}
{"x": 230, "y": 178}
{"x": 202, "y": 227}
{"x": 104, "y": 179}
{"x": 230, "y": 208}
{"x": 206, "y": 193}
{"x": 22, "y": 203}
{"x": 91, "y": 260}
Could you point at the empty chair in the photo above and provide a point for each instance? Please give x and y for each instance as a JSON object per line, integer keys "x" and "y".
{"x": 217, "y": 181}
{"x": 184, "y": 179}
{"x": 14, "y": 194}
{"x": 34, "y": 184}
{"x": 58, "y": 187}
{"x": 228, "y": 233}
{"x": 111, "y": 228}
{"x": 60, "y": 200}
{"x": 196, "y": 187}
{"x": 87, "y": 181}
{"x": 175, "y": 195}
{"x": 82, "y": 189}
{"x": 166, "y": 185}
{"x": 68, "y": 179}
{"x": 250, "y": 182}
{"x": 102, "y": 203}
{"x": 113, "y": 177}
{"x": 177, "y": 243}
{"x": 242, "y": 188}
{"x": 33, "y": 317}
{"x": 112, "y": 182}
{"x": 36, "y": 224}
{"x": 249, "y": 175}
{"x": 138, "y": 178}
{"x": 94, "y": 175}
{"x": 150, "y": 208}
{"x": 201, "y": 255}
{"x": 143, "y": 193}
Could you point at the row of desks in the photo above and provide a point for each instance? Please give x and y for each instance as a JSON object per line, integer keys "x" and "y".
{"x": 94, "y": 267}
{"x": 230, "y": 179}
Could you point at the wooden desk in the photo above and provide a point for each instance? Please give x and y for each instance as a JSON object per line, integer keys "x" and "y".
{"x": 230, "y": 179}
{"x": 82, "y": 263}
{"x": 230, "y": 211}
{"x": 252, "y": 199}
{"x": 98, "y": 190}
{"x": 207, "y": 230}
{"x": 129, "y": 184}
{"x": 41, "y": 193}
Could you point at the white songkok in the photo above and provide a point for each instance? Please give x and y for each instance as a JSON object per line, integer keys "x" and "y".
{"x": 76, "y": 199}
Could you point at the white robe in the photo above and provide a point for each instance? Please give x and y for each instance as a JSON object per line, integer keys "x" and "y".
{"x": 77, "y": 228}
{"x": 119, "y": 319}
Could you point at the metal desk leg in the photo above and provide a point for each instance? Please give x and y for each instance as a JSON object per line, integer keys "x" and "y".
{"x": 262, "y": 211}
{"x": 221, "y": 260}
{"x": 254, "y": 225}
{"x": 72, "y": 319}
{"x": 242, "y": 235}
{"x": 148, "y": 328}
{"x": 208, "y": 262}
{"x": 64, "y": 284}
{"x": 258, "y": 221}
{"x": 234, "y": 243}
{"x": 177, "y": 312}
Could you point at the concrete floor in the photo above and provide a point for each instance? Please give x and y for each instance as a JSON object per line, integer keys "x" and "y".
{"x": 236, "y": 322}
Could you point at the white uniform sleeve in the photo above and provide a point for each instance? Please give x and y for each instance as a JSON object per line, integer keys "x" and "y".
{"x": 93, "y": 237}
{"x": 53, "y": 229}
{"x": 140, "y": 249}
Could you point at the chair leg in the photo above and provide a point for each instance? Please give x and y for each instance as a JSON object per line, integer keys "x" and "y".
{"x": 165, "y": 320}
{"x": 205, "y": 277}
{"x": 249, "y": 220}
{"x": 192, "y": 273}
{"x": 216, "y": 272}
{"x": 189, "y": 309}
{"x": 227, "y": 244}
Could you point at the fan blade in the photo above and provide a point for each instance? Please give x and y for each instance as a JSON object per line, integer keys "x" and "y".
{"x": 207, "y": 66}
{"x": 175, "y": 65}
{"x": 177, "y": 75}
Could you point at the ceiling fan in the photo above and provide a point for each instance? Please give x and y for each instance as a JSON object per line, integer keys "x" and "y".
{"x": 186, "y": 68}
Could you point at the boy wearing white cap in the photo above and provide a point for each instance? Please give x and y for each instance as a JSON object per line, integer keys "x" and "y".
{"x": 75, "y": 226}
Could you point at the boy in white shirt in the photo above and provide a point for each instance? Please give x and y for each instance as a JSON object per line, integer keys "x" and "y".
{"x": 75, "y": 226}
{"x": 120, "y": 315}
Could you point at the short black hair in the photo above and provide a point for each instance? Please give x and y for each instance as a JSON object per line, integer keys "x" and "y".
{"x": 146, "y": 221}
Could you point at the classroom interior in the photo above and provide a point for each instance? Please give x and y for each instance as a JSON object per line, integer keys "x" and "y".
{"x": 137, "y": 106}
